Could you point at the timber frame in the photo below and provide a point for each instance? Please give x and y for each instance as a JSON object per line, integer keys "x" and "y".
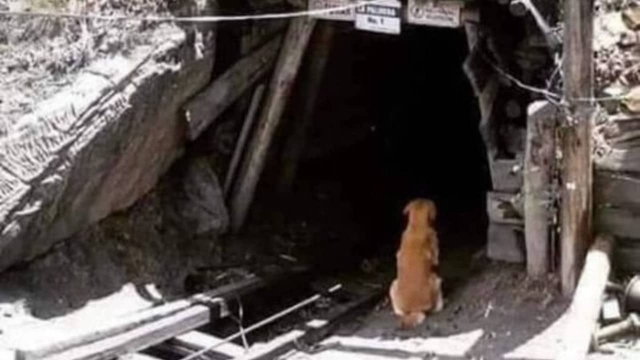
{"x": 539, "y": 152}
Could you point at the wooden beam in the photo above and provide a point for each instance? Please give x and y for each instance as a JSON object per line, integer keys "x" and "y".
{"x": 616, "y": 189}
{"x": 116, "y": 334}
{"x": 205, "y": 108}
{"x": 196, "y": 340}
{"x": 583, "y": 313}
{"x": 618, "y": 221}
{"x": 576, "y": 208}
{"x": 538, "y": 169}
{"x": 626, "y": 255}
{"x": 285, "y": 72}
{"x": 242, "y": 138}
{"x": 318, "y": 56}
{"x": 138, "y": 338}
{"x": 138, "y": 356}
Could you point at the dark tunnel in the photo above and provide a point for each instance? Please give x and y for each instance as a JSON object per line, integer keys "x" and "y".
{"x": 395, "y": 119}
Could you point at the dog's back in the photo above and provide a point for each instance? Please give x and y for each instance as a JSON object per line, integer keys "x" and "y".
{"x": 416, "y": 289}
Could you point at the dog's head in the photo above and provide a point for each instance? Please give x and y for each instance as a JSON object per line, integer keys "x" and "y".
{"x": 421, "y": 211}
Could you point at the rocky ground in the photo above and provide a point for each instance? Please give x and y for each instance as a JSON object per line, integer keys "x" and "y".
{"x": 127, "y": 261}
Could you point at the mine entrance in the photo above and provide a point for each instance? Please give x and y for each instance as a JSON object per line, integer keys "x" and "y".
{"x": 395, "y": 119}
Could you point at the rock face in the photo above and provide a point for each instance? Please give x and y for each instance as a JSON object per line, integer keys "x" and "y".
{"x": 197, "y": 203}
{"x": 99, "y": 146}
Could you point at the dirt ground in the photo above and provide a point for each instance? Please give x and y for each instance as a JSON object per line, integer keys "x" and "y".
{"x": 496, "y": 313}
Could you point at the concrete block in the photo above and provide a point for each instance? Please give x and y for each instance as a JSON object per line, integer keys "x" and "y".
{"x": 505, "y": 243}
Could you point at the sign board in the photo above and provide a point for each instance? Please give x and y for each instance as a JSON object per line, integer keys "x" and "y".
{"x": 381, "y": 16}
{"x": 345, "y": 15}
{"x": 434, "y": 13}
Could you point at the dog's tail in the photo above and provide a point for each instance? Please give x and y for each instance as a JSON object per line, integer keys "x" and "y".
{"x": 412, "y": 320}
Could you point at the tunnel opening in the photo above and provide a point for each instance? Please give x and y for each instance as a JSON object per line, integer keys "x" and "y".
{"x": 395, "y": 119}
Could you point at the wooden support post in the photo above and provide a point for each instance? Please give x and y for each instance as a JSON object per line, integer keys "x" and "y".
{"x": 577, "y": 177}
{"x": 242, "y": 138}
{"x": 205, "y": 108}
{"x": 285, "y": 72}
{"x": 319, "y": 55}
{"x": 538, "y": 168}
{"x": 584, "y": 310}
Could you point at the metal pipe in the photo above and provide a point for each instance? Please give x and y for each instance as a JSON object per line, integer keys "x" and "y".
{"x": 629, "y": 325}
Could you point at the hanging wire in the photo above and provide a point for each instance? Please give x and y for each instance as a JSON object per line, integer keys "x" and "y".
{"x": 189, "y": 19}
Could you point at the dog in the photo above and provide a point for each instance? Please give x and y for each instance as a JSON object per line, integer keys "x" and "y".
{"x": 417, "y": 288}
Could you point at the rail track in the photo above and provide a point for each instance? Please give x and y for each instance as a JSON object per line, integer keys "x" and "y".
{"x": 191, "y": 328}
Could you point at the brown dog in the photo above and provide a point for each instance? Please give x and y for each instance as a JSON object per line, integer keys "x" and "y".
{"x": 417, "y": 288}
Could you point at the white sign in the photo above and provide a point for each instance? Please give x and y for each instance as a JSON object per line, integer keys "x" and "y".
{"x": 381, "y": 16}
{"x": 346, "y": 14}
{"x": 434, "y": 13}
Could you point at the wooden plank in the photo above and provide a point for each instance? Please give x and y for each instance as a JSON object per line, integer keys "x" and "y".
{"x": 138, "y": 356}
{"x": 196, "y": 340}
{"x": 583, "y": 313}
{"x": 205, "y": 108}
{"x": 618, "y": 143}
{"x": 276, "y": 346}
{"x": 538, "y": 167}
{"x": 576, "y": 207}
{"x": 136, "y": 339}
{"x": 616, "y": 189}
{"x": 242, "y": 138}
{"x": 625, "y": 258}
{"x": 618, "y": 221}
{"x": 318, "y": 57}
{"x": 285, "y": 72}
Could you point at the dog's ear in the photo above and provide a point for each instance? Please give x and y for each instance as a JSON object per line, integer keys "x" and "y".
{"x": 432, "y": 212}
{"x": 407, "y": 209}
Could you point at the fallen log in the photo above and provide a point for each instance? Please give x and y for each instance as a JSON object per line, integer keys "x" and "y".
{"x": 584, "y": 310}
{"x": 205, "y": 108}
{"x": 284, "y": 74}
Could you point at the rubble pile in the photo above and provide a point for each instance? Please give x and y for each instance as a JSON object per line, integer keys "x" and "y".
{"x": 617, "y": 55}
